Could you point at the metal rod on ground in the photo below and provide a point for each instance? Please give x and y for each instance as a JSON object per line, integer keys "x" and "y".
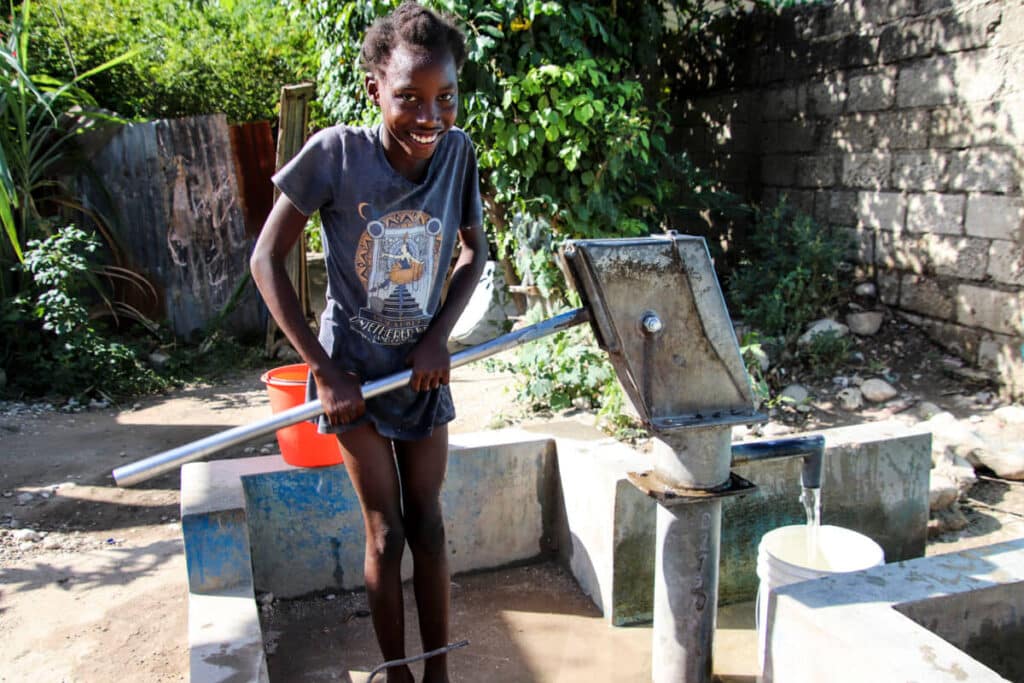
{"x": 416, "y": 658}
{"x": 140, "y": 471}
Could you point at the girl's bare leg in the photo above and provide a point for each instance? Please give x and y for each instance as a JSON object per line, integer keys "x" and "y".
{"x": 422, "y": 464}
{"x": 369, "y": 459}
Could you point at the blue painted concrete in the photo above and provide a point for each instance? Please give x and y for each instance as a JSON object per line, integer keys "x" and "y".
{"x": 216, "y": 550}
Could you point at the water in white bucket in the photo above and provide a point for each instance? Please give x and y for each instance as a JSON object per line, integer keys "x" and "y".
{"x": 802, "y": 552}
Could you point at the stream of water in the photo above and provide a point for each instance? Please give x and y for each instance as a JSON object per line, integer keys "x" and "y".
{"x": 811, "y": 499}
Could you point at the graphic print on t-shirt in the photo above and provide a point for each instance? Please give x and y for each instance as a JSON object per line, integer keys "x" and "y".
{"x": 397, "y": 262}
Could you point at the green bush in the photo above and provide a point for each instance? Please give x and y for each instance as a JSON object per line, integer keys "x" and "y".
{"x": 192, "y": 56}
{"x": 561, "y": 102}
{"x": 51, "y": 345}
{"x": 553, "y": 372}
{"x": 788, "y": 274}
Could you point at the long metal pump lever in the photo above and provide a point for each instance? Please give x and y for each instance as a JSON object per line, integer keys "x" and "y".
{"x": 140, "y": 471}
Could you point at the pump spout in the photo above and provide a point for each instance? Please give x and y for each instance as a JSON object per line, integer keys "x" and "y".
{"x": 810, "y": 448}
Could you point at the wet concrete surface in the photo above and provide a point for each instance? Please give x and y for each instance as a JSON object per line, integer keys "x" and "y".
{"x": 528, "y": 624}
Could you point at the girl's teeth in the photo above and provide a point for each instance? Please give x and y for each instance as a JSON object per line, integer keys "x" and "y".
{"x": 423, "y": 139}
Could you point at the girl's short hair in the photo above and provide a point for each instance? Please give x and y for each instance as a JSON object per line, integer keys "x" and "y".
{"x": 413, "y": 25}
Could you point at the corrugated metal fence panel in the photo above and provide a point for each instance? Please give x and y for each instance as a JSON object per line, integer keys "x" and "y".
{"x": 175, "y": 193}
{"x": 252, "y": 145}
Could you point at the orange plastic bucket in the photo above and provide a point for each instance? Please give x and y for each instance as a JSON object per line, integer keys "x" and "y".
{"x": 301, "y": 444}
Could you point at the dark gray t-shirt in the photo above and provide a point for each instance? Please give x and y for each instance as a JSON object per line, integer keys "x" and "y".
{"x": 388, "y": 244}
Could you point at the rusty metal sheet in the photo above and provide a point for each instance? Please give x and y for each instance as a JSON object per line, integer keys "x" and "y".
{"x": 253, "y": 154}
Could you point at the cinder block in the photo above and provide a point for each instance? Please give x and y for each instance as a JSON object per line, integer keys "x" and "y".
{"x": 797, "y": 136}
{"x": 853, "y": 133}
{"x": 898, "y": 130}
{"x": 816, "y": 171}
{"x": 905, "y": 40}
{"x": 980, "y": 75}
{"x": 841, "y": 207}
{"x": 984, "y": 169}
{"x": 888, "y": 286}
{"x": 936, "y": 213}
{"x": 886, "y": 247}
{"x": 1001, "y": 354}
{"x": 928, "y": 83}
{"x": 778, "y": 169}
{"x": 960, "y": 257}
{"x": 883, "y": 210}
{"x": 957, "y": 339}
{"x": 826, "y": 96}
{"x": 994, "y": 216}
{"x": 780, "y": 104}
{"x": 881, "y": 11}
{"x": 991, "y": 309}
{"x": 866, "y": 170}
{"x": 922, "y": 171}
{"x": 872, "y": 90}
{"x": 927, "y": 296}
{"x": 1006, "y": 262}
{"x": 862, "y": 245}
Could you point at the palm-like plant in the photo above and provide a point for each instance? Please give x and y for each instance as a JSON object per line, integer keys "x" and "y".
{"x": 39, "y": 119}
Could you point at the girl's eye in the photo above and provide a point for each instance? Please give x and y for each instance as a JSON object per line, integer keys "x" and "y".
{"x": 406, "y": 97}
{"x": 447, "y": 97}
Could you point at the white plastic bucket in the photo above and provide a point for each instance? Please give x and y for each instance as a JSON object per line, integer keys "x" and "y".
{"x": 783, "y": 558}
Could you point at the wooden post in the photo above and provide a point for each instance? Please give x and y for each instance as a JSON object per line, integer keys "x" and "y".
{"x": 291, "y": 135}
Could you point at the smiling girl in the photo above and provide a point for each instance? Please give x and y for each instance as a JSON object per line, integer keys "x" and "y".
{"x": 394, "y": 199}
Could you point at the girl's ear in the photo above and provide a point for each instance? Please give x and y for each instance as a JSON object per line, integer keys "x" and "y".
{"x": 372, "y": 90}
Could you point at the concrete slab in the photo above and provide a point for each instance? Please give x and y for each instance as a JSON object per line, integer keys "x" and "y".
{"x": 875, "y": 481}
{"x": 224, "y": 637}
{"x": 870, "y": 625}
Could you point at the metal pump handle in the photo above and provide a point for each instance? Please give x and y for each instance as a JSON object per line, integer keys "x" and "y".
{"x": 150, "y": 467}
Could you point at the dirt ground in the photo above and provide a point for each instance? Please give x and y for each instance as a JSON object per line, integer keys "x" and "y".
{"x": 92, "y": 576}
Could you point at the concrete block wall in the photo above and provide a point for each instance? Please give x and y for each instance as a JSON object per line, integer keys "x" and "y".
{"x": 901, "y": 124}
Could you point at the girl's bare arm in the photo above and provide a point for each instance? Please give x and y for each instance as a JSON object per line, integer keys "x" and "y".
{"x": 338, "y": 391}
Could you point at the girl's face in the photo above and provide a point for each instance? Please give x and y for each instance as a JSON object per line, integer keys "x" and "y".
{"x": 417, "y": 92}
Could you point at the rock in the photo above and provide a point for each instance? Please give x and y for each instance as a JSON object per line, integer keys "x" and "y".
{"x": 951, "y": 436}
{"x": 795, "y": 394}
{"x": 1010, "y": 415}
{"x": 488, "y": 310}
{"x": 841, "y": 381}
{"x": 26, "y": 535}
{"x": 581, "y": 403}
{"x": 773, "y": 429}
{"x": 952, "y": 519}
{"x": 942, "y": 491}
{"x": 850, "y": 398}
{"x": 821, "y": 327}
{"x": 877, "y": 390}
{"x": 1006, "y": 460}
{"x": 866, "y": 289}
{"x": 52, "y": 543}
{"x": 758, "y": 355}
{"x": 866, "y": 323}
{"x": 266, "y": 598}
{"x": 159, "y": 359}
{"x": 955, "y": 469}
{"x": 927, "y": 410}
{"x": 25, "y": 498}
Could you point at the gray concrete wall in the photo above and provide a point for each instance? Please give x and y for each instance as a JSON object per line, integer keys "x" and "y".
{"x": 854, "y": 627}
{"x": 301, "y": 531}
{"x": 900, "y": 124}
{"x": 874, "y": 480}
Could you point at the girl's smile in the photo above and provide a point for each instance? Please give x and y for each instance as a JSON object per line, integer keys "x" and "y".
{"x": 417, "y": 92}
